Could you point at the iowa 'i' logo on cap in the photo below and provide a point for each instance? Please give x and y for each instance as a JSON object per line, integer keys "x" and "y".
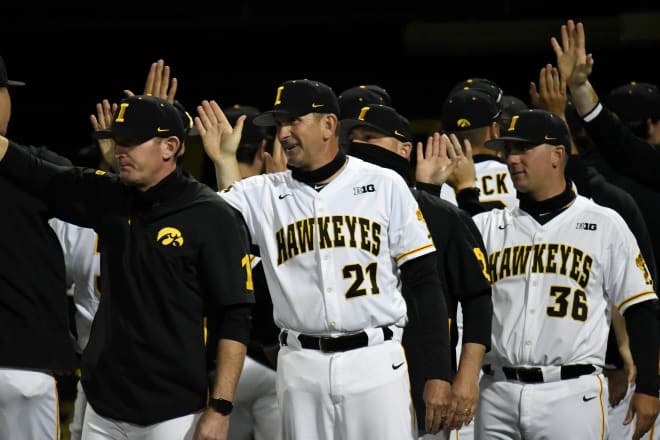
{"x": 512, "y": 124}
{"x": 363, "y": 113}
{"x": 463, "y": 123}
{"x": 169, "y": 236}
{"x": 278, "y": 97}
{"x": 122, "y": 110}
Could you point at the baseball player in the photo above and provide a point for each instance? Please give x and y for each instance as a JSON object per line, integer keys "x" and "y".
{"x": 353, "y": 99}
{"x": 165, "y": 269}
{"x": 381, "y": 136}
{"x": 558, "y": 262}
{"x": 337, "y": 237}
{"x": 35, "y": 343}
{"x": 619, "y": 369}
{"x": 472, "y": 114}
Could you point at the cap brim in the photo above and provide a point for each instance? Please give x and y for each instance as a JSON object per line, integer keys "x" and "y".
{"x": 346, "y": 125}
{"x": 269, "y": 119}
{"x": 15, "y": 83}
{"x": 123, "y": 137}
{"x": 499, "y": 143}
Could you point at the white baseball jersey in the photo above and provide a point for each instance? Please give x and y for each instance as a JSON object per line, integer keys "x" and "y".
{"x": 553, "y": 283}
{"x": 329, "y": 255}
{"x": 83, "y": 268}
{"x": 494, "y": 182}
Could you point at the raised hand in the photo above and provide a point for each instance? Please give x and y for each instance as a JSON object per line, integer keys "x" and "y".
{"x": 464, "y": 174}
{"x": 551, "y": 93}
{"x": 102, "y": 121}
{"x": 573, "y": 62}
{"x": 158, "y": 82}
{"x": 433, "y": 164}
{"x": 277, "y": 161}
{"x": 220, "y": 140}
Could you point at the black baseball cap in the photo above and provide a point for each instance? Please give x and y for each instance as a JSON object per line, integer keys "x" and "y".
{"x": 354, "y": 98}
{"x": 139, "y": 118}
{"x": 534, "y": 127}
{"x": 511, "y": 105}
{"x": 4, "y": 79}
{"x": 466, "y": 109}
{"x": 382, "y": 118}
{"x": 298, "y": 97}
{"x": 486, "y": 85}
{"x": 635, "y": 101}
{"x": 251, "y": 133}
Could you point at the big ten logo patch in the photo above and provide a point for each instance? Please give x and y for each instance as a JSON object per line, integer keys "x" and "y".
{"x": 363, "y": 189}
{"x": 586, "y": 226}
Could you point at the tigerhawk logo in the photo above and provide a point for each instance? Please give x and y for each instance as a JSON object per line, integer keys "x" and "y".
{"x": 463, "y": 123}
{"x": 170, "y": 237}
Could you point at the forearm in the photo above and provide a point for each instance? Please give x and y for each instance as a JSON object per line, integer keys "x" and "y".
{"x": 619, "y": 326}
{"x": 469, "y": 365}
{"x": 420, "y": 279}
{"x": 584, "y": 97}
{"x": 230, "y": 358}
{"x": 642, "y": 325}
{"x": 226, "y": 172}
{"x": 477, "y": 319}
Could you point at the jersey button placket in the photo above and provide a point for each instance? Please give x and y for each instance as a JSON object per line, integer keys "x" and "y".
{"x": 327, "y": 271}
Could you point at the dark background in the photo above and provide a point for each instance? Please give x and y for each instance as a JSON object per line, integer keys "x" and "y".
{"x": 239, "y": 52}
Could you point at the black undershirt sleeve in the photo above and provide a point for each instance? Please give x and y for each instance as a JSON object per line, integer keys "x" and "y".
{"x": 235, "y": 322}
{"x": 468, "y": 200}
{"x": 420, "y": 280}
{"x": 644, "y": 334}
{"x": 477, "y": 318}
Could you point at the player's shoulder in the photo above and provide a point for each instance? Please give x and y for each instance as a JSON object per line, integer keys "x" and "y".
{"x": 362, "y": 169}
{"x": 598, "y": 214}
{"x": 488, "y": 164}
{"x": 260, "y": 183}
{"x": 497, "y": 214}
{"x": 439, "y": 205}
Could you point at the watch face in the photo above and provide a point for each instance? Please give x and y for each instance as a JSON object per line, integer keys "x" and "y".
{"x": 222, "y": 406}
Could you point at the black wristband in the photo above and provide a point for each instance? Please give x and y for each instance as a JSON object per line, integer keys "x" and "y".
{"x": 222, "y": 406}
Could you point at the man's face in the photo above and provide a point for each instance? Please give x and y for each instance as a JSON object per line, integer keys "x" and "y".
{"x": 304, "y": 140}
{"x": 531, "y": 167}
{"x": 145, "y": 164}
{"x": 372, "y": 136}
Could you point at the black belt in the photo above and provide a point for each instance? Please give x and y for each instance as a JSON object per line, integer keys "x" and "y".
{"x": 535, "y": 374}
{"x": 338, "y": 343}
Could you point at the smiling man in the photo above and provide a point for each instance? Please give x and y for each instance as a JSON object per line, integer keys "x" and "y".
{"x": 558, "y": 263}
{"x": 338, "y": 237}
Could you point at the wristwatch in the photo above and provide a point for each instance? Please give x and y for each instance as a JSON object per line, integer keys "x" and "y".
{"x": 222, "y": 406}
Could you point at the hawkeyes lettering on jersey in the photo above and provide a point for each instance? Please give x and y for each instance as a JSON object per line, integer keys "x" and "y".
{"x": 327, "y": 232}
{"x": 545, "y": 258}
